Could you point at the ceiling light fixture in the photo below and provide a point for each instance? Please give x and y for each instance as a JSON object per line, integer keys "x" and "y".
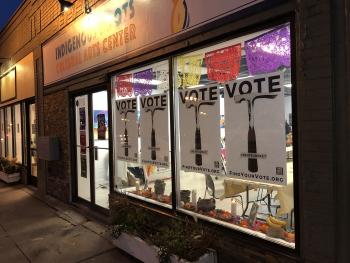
{"x": 65, "y": 5}
{"x": 87, "y": 7}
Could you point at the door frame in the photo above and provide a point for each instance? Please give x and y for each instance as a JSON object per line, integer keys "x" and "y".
{"x": 72, "y": 115}
{"x": 32, "y": 180}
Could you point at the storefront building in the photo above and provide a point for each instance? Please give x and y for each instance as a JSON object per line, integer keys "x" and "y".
{"x": 233, "y": 113}
{"x": 18, "y": 117}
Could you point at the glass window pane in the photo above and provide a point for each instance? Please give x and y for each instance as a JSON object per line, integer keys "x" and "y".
{"x": 101, "y": 147}
{"x": 18, "y": 132}
{"x": 32, "y": 131}
{"x": 2, "y": 133}
{"x": 234, "y": 117}
{"x": 9, "y": 132}
{"x": 82, "y": 147}
{"x": 141, "y": 132}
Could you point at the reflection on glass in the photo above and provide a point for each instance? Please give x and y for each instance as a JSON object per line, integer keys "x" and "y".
{"x": 9, "y": 127}
{"x": 82, "y": 147}
{"x": 141, "y": 126}
{"x": 18, "y": 133}
{"x": 32, "y": 130}
{"x": 101, "y": 147}
{"x": 233, "y": 181}
{"x": 2, "y": 133}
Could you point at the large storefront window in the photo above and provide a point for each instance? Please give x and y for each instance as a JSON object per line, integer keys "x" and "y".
{"x": 11, "y": 132}
{"x": 234, "y": 117}
{"x": 232, "y": 105}
{"x": 141, "y": 133}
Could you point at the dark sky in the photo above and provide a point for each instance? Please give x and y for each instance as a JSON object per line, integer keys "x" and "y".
{"x": 7, "y": 8}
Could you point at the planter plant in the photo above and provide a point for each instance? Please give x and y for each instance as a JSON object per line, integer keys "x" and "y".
{"x": 150, "y": 237}
{"x": 9, "y": 170}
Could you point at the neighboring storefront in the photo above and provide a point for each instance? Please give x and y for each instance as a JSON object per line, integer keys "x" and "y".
{"x": 18, "y": 117}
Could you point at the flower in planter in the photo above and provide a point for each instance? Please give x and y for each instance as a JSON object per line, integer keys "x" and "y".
{"x": 181, "y": 237}
{"x": 8, "y": 166}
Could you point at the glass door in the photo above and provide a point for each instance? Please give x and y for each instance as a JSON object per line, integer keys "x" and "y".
{"x": 9, "y": 133}
{"x": 101, "y": 149}
{"x": 33, "y": 159}
{"x": 82, "y": 147}
{"x": 92, "y": 148}
{"x": 2, "y": 133}
{"x": 18, "y": 132}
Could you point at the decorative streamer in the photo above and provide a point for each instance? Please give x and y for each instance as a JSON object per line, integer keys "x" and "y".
{"x": 143, "y": 82}
{"x": 223, "y": 64}
{"x": 163, "y": 76}
{"x": 124, "y": 85}
{"x": 189, "y": 70}
{"x": 269, "y": 51}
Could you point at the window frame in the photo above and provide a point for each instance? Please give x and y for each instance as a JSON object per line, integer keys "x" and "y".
{"x": 174, "y": 211}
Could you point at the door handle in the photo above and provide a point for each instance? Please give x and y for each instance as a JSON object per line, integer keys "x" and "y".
{"x": 96, "y": 153}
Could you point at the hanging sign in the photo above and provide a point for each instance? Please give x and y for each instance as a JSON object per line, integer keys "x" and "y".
{"x": 199, "y": 129}
{"x": 189, "y": 70}
{"x": 255, "y": 129}
{"x": 269, "y": 51}
{"x": 223, "y": 64}
{"x": 154, "y": 130}
{"x": 127, "y": 130}
{"x": 142, "y": 82}
{"x": 123, "y": 85}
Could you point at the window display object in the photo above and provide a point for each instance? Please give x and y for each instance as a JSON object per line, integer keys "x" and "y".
{"x": 234, "y": 161}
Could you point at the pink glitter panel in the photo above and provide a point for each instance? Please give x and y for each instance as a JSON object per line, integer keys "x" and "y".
{"x": 268, "y": 52}
{"x": 124, "y": 85}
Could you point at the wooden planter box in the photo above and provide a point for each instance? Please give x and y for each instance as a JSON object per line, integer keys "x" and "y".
{"x": 139, "y": 249}
{"x": 10, "y": 178}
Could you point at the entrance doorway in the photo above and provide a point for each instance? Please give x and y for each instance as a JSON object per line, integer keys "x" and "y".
{"x": 92, "y": 148}
{"x": 33, "y": 157}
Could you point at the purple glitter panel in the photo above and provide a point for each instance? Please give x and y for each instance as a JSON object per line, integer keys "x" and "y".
{"x": 269, "y": 51}
{"x": 143, "y": 82}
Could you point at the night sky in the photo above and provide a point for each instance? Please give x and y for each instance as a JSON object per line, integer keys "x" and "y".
{"x": 7, "y": 8}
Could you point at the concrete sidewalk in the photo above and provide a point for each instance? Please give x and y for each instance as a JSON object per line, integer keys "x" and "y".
{"x": 36, "y": 229}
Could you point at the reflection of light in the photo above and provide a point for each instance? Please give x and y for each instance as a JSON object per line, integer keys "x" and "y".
{"x": 203, "y": 113}
{"x": 144, "y": 81}
{"x": 245, "y": 77}
{"x": 272, "y": 48}
{"x": 191, "y": 98}
{"x": 289, "y": 85}
{"x": 196, "y": 86}
{"x": 65, "y": 9}
{"x": 108, "y": 18}
{"x": 90, "y": 21}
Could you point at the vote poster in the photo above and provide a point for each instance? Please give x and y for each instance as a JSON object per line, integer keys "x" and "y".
{"x": 199, "y": 111}
{"x": 255, "y": 129}
{"x": 154, "y": 130}
{"x": 127, "y": 130}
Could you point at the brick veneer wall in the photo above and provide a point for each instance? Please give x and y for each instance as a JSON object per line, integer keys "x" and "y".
{"x": 34, "y": 23}
{"x": 315, "y": 129}
{"x": 56, "y": 123}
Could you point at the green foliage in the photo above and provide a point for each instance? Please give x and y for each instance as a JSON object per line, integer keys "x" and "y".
{"x": 184, "y": 238}
{"x": 8, "y": 166}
